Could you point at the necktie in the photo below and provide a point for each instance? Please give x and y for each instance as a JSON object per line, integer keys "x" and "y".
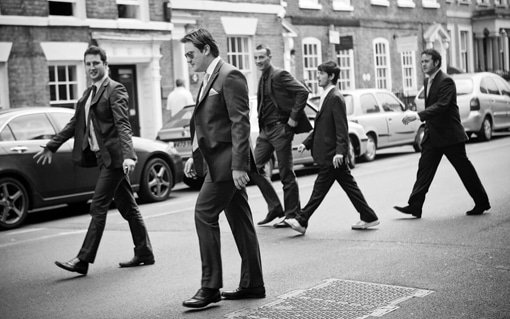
{"x": 204, "y": 84}
{"x": 88, "y": 122}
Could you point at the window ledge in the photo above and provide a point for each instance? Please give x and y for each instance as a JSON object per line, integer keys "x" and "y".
{"x": 384, "y": 3}
{"x": 430, "y": 4}
{"x": 342, "y": 7}
{"x": 406, "y": 4}
{"x": 310, "y": 6}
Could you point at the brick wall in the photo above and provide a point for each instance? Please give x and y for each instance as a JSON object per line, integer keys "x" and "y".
{"x": 24, "y": 7}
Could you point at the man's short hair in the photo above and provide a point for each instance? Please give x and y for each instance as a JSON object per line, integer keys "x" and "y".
{"x": 331, "y": 68}
{"x": 436, "y": 56}
{"x": 95, "y": 50}
{"x": 200, "y": 38}
{"x": 264, "y": 47}
{"x": 179, "y": 82}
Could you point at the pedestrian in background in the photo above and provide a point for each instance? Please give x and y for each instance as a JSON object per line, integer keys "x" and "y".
{"x": 102, "y": 137}
{"x": 178, "y": 98}
{"x": 281, "y": 100}
{"x": 220, "y": 131}
{"x": 444, "y": 135}
{"x": 329, "y": 144}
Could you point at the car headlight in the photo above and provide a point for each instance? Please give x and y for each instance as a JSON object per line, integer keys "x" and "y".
{"x": 171, "y": 149}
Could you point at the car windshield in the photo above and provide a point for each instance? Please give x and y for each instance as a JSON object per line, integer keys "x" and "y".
{"x": 464, "y": 86}
{"x": 181, "y": 119}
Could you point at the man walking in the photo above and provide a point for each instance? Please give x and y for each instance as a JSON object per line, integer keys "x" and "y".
{"x": 220, "y": 131}
{"x": 102, "y": 136}
{"x": 281, "y": 102}
{"x": 444, "y": 135}
{"x": 178, "y": 98}
{"x": 329, "y": 143}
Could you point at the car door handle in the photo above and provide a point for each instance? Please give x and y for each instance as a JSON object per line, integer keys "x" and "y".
{"x": 19, "y": 149}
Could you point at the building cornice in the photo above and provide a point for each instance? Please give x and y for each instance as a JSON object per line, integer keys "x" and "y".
{"x": 226, "y": 6}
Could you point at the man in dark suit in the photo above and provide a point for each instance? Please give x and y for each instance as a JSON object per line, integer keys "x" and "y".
{"x": 329, "y": 143}
{"x": 444, "y": 135}
{"x": 102, "y": 137}
{"x": 281, "y": 102}
{"x": 220, "y": 131}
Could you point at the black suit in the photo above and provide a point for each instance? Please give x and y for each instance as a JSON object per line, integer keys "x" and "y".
{"x": 109, "y": 115}
{"x": 221, "y": 126}
{"x": 444, "y": 135}
{"x": 330, "y": 137}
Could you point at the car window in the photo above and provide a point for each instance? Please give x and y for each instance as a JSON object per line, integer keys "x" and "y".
{"x": 31, "y": 127}
{"x": 504, "y": 87}
{"x": 61, "y": 118}
{"x": 488, "y": 86}
{"x": 464, "y": 86}
{"x": 368, "y": 103}
{"x": 389, "y": 103}
{"x": 349, "y": 104}
{"x": 6, "y": 134}
{"x": 310, "y": 112}
{"x": 181, "y": 118}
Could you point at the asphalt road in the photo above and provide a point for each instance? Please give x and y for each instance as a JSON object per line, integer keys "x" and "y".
{"x": 463, "y": 261}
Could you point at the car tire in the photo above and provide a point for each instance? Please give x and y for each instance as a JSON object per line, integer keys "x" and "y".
{"x": 418, "y": 139}
{"x": 157, "y": 180}
{"x": 193, "y": 183}
{"x": 371, "y": 149}
{"x": 14, "y": 203}
{"x": 351, "y": 155}
{"x": 485, "y": 133}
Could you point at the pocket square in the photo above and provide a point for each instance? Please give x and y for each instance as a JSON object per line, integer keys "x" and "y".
{"x": 212, "y": 92}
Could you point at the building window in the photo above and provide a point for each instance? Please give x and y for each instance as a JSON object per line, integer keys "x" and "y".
{"x": 310, "y": 4}
{"x": 342, "y": 5}
{"x": 62, "y": 7}
{"x": 128, "y": 9}
{"x": 408, "y": 72}
{"x": 63, "y": 84}
{"x": 345, "y": 60}
{"x": 239, "y": 54}
{"x": 484, "y": 3}
{"x": 384, "y": 3}
{"x": 311, "y": 60}
{"x": 382, "y": 64}
{"x": 464, "y": 42}
{"x": 430, "y": 4}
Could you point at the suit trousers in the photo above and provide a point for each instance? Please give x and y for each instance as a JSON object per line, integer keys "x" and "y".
{"x": 325, "y": 177}
{"x": 215, "y": 197}
{"x": 427, "y": 167}
{"x": 277, "y": 139}
{"x": 112, "y": 184}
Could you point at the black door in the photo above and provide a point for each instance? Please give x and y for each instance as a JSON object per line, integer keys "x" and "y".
{"x": 126, "y": 74}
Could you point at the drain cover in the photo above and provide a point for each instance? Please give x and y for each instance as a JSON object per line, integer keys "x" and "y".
{"x": 335, "y": 299}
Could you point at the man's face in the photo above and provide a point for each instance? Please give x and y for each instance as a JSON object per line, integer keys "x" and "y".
{"x": 196, "y": 59}
{"x": 428, "y": 65}
{"x": 96, "y": 69}
{"x": 324, "y": 78}
{"x": 262, "y": 60}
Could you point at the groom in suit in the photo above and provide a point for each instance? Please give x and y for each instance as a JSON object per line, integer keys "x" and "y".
{"x": 102, "y": 137}
{"x": 444, "y": 135}
{"x": 220, "y": 131}
{"x": 329, "y": 143}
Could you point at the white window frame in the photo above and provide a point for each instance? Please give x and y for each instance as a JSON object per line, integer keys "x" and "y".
{"x": 79, "y": 10}
{"x": 430, "y": 4}
{"x": 347, "y": 56}
{"x": 500, "y": 3}
{"x": 245, "y": 53}
{"x": 483, "y": 3}
{"x": 5, "y": 51}
{"x": 310, "y": 4}
{"x": 452, "y": 48}
{"x": 342, "y": 5}
{"x": 142, "y": 9}
{"x": 408, "y": 60}
{"x": 469, "y": 50}
{"x": 385, "y": 67}
{"x": 310, "y": 64}
{"x": 406, "y": 3}
{"x": 383, "y": 3}
{"x": 76, "y": 82}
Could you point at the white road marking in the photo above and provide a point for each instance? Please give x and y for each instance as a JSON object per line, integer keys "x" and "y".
{"x": 42, "y": 237}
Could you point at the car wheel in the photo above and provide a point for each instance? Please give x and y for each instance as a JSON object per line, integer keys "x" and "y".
{"x": 418, "y": 139}
{"x": 351, "y": 156}
{"x": 193, "y": 183}
{"x": 13, "y": 203}
{"x": 485, "y": 132}
{"x": 371, "y": 149}
{"x": 156, "y": 182}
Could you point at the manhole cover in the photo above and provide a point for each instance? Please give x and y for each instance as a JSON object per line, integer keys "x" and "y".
{"x": 335, "y": 299}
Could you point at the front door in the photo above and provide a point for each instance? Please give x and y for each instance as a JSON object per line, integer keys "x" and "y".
{"x": 126, "y": 74}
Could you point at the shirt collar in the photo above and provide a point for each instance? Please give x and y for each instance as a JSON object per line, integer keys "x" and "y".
{"x": 100, "y": 82}
{"x": 433, "y": 75}
{"x": 326, "y": 91}
{"x": 212, "y": 66}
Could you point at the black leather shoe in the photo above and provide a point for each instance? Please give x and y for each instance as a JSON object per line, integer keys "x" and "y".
{"x": 408, "y": 210}
{"x": 245, "y": 293}
{"x": 281, "y": 224}
{"x": 270, "y": 217}
{"x": 478, "y": 210}
{"x": 74, "y": 265}
{"x": 202, "y": 298}
{"x": 137, "y": 261}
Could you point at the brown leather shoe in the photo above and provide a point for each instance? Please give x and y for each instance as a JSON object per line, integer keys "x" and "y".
{"x": 202, "y": 298}
{"x": 74, "y": 265}
{"x": 245, "y": 293}
{"x": 137, "y": 261}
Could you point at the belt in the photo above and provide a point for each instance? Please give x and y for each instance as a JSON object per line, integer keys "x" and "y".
{"x": 271, "y": 125}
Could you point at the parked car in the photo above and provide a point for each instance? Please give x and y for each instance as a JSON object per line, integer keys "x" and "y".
{"x": 176, "y": 132}
{"x": 380, "y": 113}
{"x": 26, "y": 186}
{"x": 484, "y": 103}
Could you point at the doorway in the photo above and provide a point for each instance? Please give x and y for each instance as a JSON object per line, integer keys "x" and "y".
{"x": 126, "y": 75}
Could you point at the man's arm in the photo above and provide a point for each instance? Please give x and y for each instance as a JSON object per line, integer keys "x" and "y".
{"x": 341, "y": 126}
{"x": 119, "y": 102}
{"x": 295, "y": 88}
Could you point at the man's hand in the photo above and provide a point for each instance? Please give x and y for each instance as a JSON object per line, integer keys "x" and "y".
{"x": 409, "y": 117}
{"x": 292, "y": 123}
{"x": 128, "y": 166}
{"x": 301, "y": 148}
{"x": 189, "y": 168}
{"x": 43, "y": 156}
{"x": 241, "y": 178}
{"x": 338, "y": 160}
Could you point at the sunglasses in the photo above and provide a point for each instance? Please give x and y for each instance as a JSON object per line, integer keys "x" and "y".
{"x": 190, "y": 55}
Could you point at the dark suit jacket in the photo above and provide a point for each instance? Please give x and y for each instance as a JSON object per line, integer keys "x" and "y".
{"x": 289, "y": 96}
{"x": 330, "y": 135}
{"x": 441, "y": 113}
{"x": 109, "y": 114}
{"x": 221, "y": 124}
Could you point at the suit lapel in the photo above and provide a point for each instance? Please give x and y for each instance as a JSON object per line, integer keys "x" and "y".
{"x": 211, "y": 80}
{"x": 99, "y": 92}
{"x": 324, "y": 103}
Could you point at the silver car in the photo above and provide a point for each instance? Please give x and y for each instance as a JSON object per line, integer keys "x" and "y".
{"x": 484, "y": 103}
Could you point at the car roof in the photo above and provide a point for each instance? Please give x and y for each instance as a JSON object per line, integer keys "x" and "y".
{"x": 30, "y": 110}
{"x": 473, "y": 75}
